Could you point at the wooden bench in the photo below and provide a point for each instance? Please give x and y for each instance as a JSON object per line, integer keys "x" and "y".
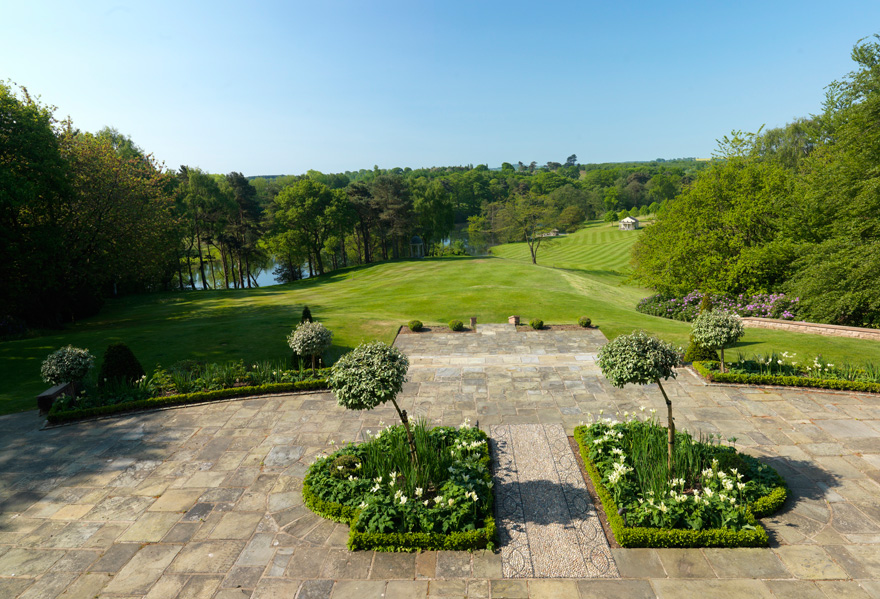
{"x": 48, "y": 397}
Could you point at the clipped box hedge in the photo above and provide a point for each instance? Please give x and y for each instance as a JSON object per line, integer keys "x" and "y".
{"x": 482, "y": 538}
{"x": 57, "y": 416}
{"x": 665, "y": 537}
{"x": 704, "y": 368}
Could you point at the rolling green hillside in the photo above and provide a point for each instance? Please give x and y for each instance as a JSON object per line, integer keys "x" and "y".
{"x": 370, "y": 302}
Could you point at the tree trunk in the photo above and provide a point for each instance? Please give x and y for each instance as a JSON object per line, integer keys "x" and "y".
{"x": 179, "y": 272}
{"x": 192, "y": 280}
{"x": 225, "y": 266}
{"x": 240, "y": 271}
{"x": 670, "y": 428}
{"x": 722, "y": 359}
{"x": 413, "y": 455}
{"x": 247, "y": 271}
{"x": 201, "y": 262}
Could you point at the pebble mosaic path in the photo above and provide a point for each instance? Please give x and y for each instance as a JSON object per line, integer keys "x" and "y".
{"x": 548, "y": 526}
{"x": 204, "y": 502}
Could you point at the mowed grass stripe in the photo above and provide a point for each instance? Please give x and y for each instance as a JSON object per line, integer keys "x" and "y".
{"x": 598, "y": 246}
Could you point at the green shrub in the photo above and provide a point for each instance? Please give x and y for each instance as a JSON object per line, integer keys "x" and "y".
{"x": 119, "y": 365}
{"x": 415, "y": 325}
{"x": 697, "y": 353}
{"x": 584, "y": 322}
{"x": 456, "y": 325}
{"x": 306, "y": 315}
{"x": 536, "y": 323}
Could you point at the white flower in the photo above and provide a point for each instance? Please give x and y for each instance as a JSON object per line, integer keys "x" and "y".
{"x": 378, "y": 480}
{"x": 352, "y": 477}
{"x": 374, "y": 489}
{"x": 339, "y": 467}
{"x": 357, "y": 466}
{"x": 438, "y": 499}
{"x": 402, "y": 499}
{"x": 363, "y": 504}
{"x": 663, "y": 507}
{"x": 393, "y": 475}
{"x": 427, "y": 502}
{"x": 419, "y": 491}
{"x": 740, "y": 486}
{"x": 451, "y": 501}
{"x": 708, "y": 492}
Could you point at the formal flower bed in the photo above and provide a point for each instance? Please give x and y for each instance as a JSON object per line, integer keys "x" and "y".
{"x": 712, "y": 498}
{"x": 442, "y": 500}
{"x": 784, "y": 370}
{"x": 184, "y": 383}
{"x": 686, "y": 308}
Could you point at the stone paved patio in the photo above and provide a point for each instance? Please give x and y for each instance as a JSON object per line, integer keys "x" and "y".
{"x": 204, "y": 501}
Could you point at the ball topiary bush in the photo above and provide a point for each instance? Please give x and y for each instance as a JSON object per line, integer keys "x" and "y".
{"x": 536, "y": 323}
{"x": 310, "y": 339}
{"x": 697, "y": 353}
{"x": 415, "y": 325}
{"x": 119, "y": 364}
{"x": 456, "y": 325}
{"x": 584, "y": 322}
{"x": 67, "y": 365}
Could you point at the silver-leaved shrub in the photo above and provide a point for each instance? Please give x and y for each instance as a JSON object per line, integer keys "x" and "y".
{"x": 310, "y": 339}
{"x": 67, "y": 365}
{"x": 716, "y": 330}
{"x": 638, "y": 359}
{"x": 368, "y": 376}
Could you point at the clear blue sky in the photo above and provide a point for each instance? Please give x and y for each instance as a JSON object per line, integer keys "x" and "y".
{"x": 283, "y": 87}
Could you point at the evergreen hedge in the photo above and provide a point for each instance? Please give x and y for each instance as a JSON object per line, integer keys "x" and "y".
{"x": 482, "y": 538}
{"x": 783, "y": 381}
{"x": 57, "y": 416}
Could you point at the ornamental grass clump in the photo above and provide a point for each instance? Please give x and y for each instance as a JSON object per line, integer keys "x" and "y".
{"x": 67, "y": 365}
{"x": 641, "y": 359}
{"x": 716, "y": 330}
{"x": 310, "y": 339}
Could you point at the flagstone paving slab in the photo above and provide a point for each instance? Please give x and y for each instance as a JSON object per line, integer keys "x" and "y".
{"x": 82, "y": 507}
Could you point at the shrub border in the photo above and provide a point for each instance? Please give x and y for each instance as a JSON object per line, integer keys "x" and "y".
{"x": 481, "y": 538}
{"x": 664, "y": 537}
{"x": 62, "y": 417}
{"x": 782, "y": 381}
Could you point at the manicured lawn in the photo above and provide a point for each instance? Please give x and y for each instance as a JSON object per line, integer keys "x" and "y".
{"x": 365, "y": 303}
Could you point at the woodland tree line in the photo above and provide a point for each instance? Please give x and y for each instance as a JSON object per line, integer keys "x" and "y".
{"x": 793, "y": 209}
{"x": 85, "y": 216}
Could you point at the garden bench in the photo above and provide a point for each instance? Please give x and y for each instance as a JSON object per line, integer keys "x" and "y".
{"x": 48, "y": 397}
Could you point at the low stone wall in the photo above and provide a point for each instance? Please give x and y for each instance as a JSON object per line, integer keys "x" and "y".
{"x": 832, "y": 330}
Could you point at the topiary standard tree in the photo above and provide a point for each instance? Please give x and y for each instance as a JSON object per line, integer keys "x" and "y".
{"x": 368, "y": 376}
{"x": 641, "y": 359}
{"x": 306, "y": 315}
{"x": 310, "y": 339}
{"x": 716, "y": 330}
{"x": 67, "y": 365}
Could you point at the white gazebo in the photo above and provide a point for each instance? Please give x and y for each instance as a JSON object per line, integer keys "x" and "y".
{"x": 629, "y": 224}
